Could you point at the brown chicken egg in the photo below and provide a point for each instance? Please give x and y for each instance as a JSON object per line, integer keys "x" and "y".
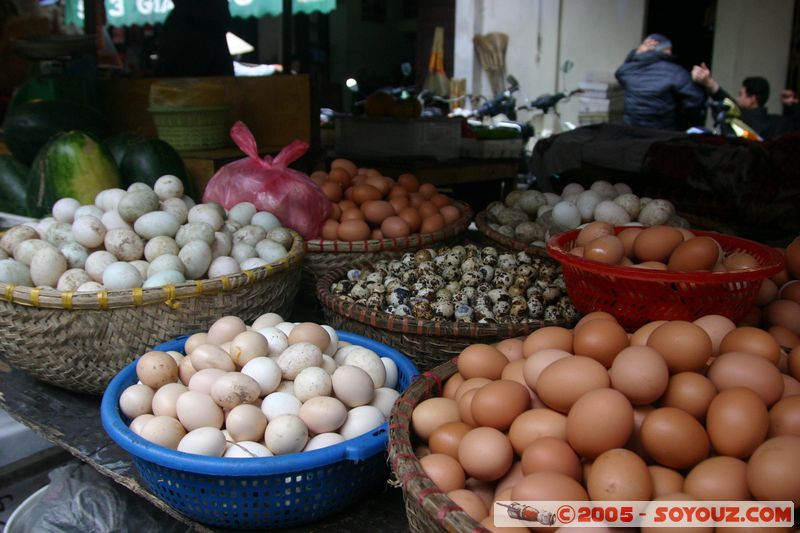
{"x": 619, "y": 474}
{"x": 594, "y": 315}
{"x": 469, "y": 384}
{"x": 470, "y": 503}
{"x": 656, "y": 243}
{"x": 465, "y": 407}
{"x": 399, "y": 202}
{"x": 690, "y": 392}
{"x": 441, "y": 200}
{"x": 535, "y": 424}
{"x": 409, "y": 182}
{"x": 784, "y": 313}
{"x": 751, "y": 340}
{"x": 549, "y": 454}
{"x": 451, "y": 385}
{"x": 651, "y": 265}
{"x": 432, "y": 224}
{"x": 699, "y": 253}
{"x": 446, "y": 438}
{"x": 376, "y": 211}
{"x": 665, "y": 480}
{"x": 564, "y": 381}
{"x": 640, "y": 373}
{"x": 330, "y": 230}
{"x": 353, "y": 230}
{"x": 511, "y": 348}
{"x": 790, "y": 291}
{"x": 450, "y": 213}
{"x": 376, "y": 235}
{"x": 601, "y": 340}
{"x": 485, "y": 453}
{"x": 547, "y": 337}
{"x": 598, "y": 421}
{"x": 640, "y": 336}
{"x": 427, "y": 209}
{"x": 381, "y": 183}
{"x": 394, "y": 227}
{"x": 332, "y": 190}
{"x": 740, "y": 261}
{"x": 767, "y": 292}
{"x": 511, "y": 478}
{"x": 628, "y": 236}
{"x": 432, "y": 413}
{"x": 364, "y": 193}
{"x": 444, "y": 471}
{"x": 674, "y": 438}
{"x": 716, "y": 326}
{"x": 481, "y": 361}
{"x": 784, "y": 417}
{"x": 592, "y": 231}
{"x": 737, "y": 422}
{"x": 352, "y": 214}
{"x": 607, "y": 249}
{"x": 718, "y": 478}
{"x": 537, "y": 362}
{"x": 683, "y": 345}
{"x": 497, "y": 404}
{"x": 428, "y": 190}
{"x": 772, "y": 470}
{"x": 784, "y": 337}
{"x": 738, "y": 369}
{"x": 548, "y": 486}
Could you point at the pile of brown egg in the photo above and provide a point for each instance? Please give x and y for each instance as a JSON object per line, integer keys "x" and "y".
{"x": 678, "y": 410}
{"x": 463, "y": 284}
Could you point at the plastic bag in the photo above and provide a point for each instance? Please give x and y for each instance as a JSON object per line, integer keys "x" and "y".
{"x": 80, "y": 500}
{"x": 270, "y": 185}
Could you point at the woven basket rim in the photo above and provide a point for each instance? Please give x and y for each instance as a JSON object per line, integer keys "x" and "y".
{"x": 514, "y": 244}
{"x": 416, "y": 485}
{"x": 167, "y": 109}
{"x": 47, "y": 298}
{"x": 416, "y": 240}
{"x": 417, "y": 326}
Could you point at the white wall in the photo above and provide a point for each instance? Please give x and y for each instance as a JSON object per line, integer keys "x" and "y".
{"x": 594, "y": 34}
{"x": 753, "y": 39}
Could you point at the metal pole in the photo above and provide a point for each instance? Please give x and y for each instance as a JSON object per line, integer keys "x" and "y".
{"x": 287, "y": 36}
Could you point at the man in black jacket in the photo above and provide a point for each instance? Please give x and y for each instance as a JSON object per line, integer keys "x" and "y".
{"x": 659, "y": 93}
{"x": 751, "y": 100}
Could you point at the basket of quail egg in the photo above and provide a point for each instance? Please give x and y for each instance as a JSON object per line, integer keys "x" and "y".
{"x": 83, "y": 291}
{"x": 258, "y": 425}
{"x": 527, "y": 219}
{"x": 432, "y": 303}
{"x": 675, "y": 411}
{"x": 377, "y": 217}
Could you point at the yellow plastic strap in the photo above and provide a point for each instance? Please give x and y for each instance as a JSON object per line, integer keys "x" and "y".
{"x": 9, "y": 295}
{"x": 138, "y": 296}
{"x": 249, "y": 275}
{"x": 66, "y": 299}
{"x": 226, "y": 283}
{"x": 171, "y": 294}
{"x": 35, "y": 296}
{"x": 199, "y": 287}
{"x": 102, "y": 299}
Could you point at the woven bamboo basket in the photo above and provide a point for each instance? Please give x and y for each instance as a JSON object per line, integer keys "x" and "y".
{"x": 427, "y": 342}
{"x": 80, "y": 340}
{"x": 428, "y": 508}
{"x": 495, "y": 238}
{"x": 323, "y": 255}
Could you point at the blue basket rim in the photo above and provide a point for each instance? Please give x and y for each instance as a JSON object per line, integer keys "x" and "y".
{"x": 355, "y": 449}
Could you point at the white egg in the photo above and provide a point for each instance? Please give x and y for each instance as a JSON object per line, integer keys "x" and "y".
{"x": 286, "y": 434}
{"x": 43, "y": 225}
{"x": 270, "y": 251}
{"x": 75, "y": 254}
{"x": 87, "y": 210}
{"x": 165, "y": 262}
{"x": 139, "y": 186}
{"x": 15, "y": 273}
{"x": 112, "y": 220}
{"x": 163, "y": 278}
{"x": 90, "y": 286}
{"x": 25, "y": 250}
{"x": 267, "y": 320}
{"x": 247, "y": 450}
{"x": 159, "y": 246}
{"x": 222, "y": 245}
{"x": 223, "y": 266}
{"x": 207, "y": 214}
{"x": 64, "y": 209}
{"x": 285, "y": 327}
{"x": 196, "y": 257}
{"x": 360, "y": 420}
{"x": 552, "y": 198}
{"x": 73, "y": 278}
{"x": 138, "y": 423}
{"x": 328, "y": 364}
{"x": 241, "y": 252}
{"x": 88, "y": 230}
{"x": 249, "y": 235}
{"x": 369, "y": 362}
{"x": 277, "y": 404}
{"x": 566, "y": 215}
{"x": 125, "y": 244}
{"x": 168, "y": 186}
{"x": 97, "y": 262}
{"x": 155, "y": 224}
{"x": 605, "y": 189}
{"x": 392, "y": 373}
{"x": 334, "y": 344}
{"x": 572, "y": 188}
{"x": 297, "y": 357}
{"x": 252, "y": 263}
{"x": 176, "y": 208}
{"x": 195, "y": 231}
{"x": 47, "y": 265}
{"x": 623, "y": 188}
{"x": 312, "y": 382}
{"x": 122, "y": 275}
{"x": 188, "y": 201}
{"x": 266, "y": 220}
{"x": 265, "y": 371}
{"x": 136, "y": 203}
{"x": 111, "y": 199}
{"x": 58, "y": 234}
{"x": 203, "y": 441}
{"x": 323, "y": 440}
{"x": 384, "y": 400}
{"x": 242, "y": 213}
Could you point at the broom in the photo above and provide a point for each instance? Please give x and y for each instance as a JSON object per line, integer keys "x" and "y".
{"x": 436, "y": 82}
{"x": 491, "y": 50}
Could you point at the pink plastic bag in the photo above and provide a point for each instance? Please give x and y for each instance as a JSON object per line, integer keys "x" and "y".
{"x": 270, "y": 185}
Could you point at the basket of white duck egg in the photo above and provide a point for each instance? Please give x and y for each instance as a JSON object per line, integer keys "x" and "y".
{"x": 84, "y": 291}
{"x": 526, "y": 219}
{"x": 294, "y": 412}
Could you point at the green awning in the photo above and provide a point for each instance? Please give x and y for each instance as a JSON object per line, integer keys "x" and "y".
{"x": 140, "y": 12}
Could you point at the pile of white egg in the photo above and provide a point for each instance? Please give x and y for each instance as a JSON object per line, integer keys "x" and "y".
{"x": 143, "y": 237}
{"x": 271, "y": 388}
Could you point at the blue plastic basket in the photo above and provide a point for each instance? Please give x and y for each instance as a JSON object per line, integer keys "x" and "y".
{"x": 257, "y": 493}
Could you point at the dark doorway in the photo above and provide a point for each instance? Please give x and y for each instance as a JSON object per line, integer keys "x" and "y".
{"x": 690, "y": 26}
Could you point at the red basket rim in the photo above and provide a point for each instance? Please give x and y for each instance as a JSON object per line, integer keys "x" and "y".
{"x": 558, "y": 248}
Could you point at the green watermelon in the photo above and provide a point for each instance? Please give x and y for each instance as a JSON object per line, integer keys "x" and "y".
{"x": 13, "y": 185}
{"x": 74, "y": 165}
{"x": 29, "y": 126}
{"x": 119, "y": 144}
{"x": 148, "y": 160}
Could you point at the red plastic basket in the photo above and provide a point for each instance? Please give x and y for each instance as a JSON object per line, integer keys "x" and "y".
{"x": 636, "y": 296}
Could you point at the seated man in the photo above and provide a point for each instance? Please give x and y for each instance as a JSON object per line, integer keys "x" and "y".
{"x": 751, "y": 99}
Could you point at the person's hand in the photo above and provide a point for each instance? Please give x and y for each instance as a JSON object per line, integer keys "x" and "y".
{"x": 701, "y": 75}
{"x": 647, "y": 46}
{"x": 278, "y": 67}
{"x": 788, "y": 97}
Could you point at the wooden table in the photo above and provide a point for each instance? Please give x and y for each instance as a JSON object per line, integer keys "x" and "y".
{"x": 72, "y": 421}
